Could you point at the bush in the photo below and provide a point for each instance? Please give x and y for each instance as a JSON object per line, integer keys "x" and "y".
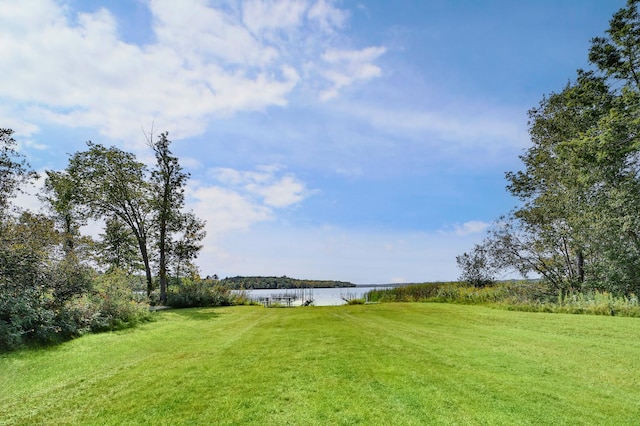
{"x": 27, "y": 306}
{"x": 200, "y": 293}
{"x": 113, "y": 304}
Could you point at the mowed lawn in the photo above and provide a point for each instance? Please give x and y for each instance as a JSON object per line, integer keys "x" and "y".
{"x": 387, "y": 364}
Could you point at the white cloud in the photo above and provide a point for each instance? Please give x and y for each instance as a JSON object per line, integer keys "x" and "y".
{"x": 206, "y": 61}
{"x": 349, "y": 66}
{"x": 22, "y": 129}
{"x": 237, "y": 202}
{"x": 264, "y": 15}
{"x": 473, "y": 134}
{"x": 470, "y": 228}
{"x": 282, "y": 193}
{"x": 226, "y": 210}
{"x": 200, "y": 33}
{"x": 265, "y": 183}
{"x": 328, "y": 16}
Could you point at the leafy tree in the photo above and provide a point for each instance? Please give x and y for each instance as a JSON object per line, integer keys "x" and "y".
{"x": 14, "y": 170}
{"x": 118, "y": 247}
{"x": 606, "y": 158}
{"x": 580, "y": 184}
{"x": 35, "y": 286}
{"x": 186, "y": 248}
{"x": 168, "y": 181}
{"x": 46, "y": 293}
{"x": 112, "y": 183}
{"x": 60, "y": 193}
{"x": 555, "y": 197}
{"x": 476, "y": 267}
{"x": 618, "y": 55}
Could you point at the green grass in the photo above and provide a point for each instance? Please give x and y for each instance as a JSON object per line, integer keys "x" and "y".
{"x": 527, "y": 296}
{"x": 411, "y": 363}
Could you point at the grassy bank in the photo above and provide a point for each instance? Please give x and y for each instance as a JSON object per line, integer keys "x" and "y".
{"x": 363, "y": 364}
{"x": 528, "y": 296}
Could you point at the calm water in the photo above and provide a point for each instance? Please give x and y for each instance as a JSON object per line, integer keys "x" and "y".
{"x": 320, "y": 296}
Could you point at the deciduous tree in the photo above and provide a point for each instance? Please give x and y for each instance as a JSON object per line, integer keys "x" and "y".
{"x": 578, "y": 221}
{"x": 168, "y": 181}
{"x": 14, "y": 169}
{"x": 112, "y": 183}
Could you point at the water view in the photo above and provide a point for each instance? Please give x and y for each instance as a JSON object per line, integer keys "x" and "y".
{"x": 318, "y": 296}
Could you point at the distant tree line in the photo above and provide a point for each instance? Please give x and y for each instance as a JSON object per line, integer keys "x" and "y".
{"x": 237, "y": 283}
{"x": 578, "y": 221}
{"x": 55, "y": 282}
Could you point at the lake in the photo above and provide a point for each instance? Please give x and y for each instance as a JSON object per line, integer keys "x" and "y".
{"x": 320, "y": 296}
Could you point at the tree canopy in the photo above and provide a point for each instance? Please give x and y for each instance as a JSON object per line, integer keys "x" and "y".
{"x": 55, "y": 282}
{"x": 577, "y": 224}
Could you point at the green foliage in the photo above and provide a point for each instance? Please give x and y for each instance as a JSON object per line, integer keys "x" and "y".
{"x": 142, "y": 209}
{"x": 577, "y": 224}
{"x": 61, "y": 195}
{"x": 47, "y": 291}
{"x": 476, "y": 267}
{"x": 28, "y": 289}
{"x": 198, "y": 293}
{"x": 112, "y": 184}
{"x": 14, "y": 170}
{"x": 118, "y": 247}
{"x": 241, "y": 297}
{"x": 186, "y": 245}
{"x": 168, "y": 181}
{"x": 113, "y": 304}
{"x": 618, "y": 55}
{"x": 239, "y": 283}
{"x": 529, "y": 296}
{"x": 49, "y": 305}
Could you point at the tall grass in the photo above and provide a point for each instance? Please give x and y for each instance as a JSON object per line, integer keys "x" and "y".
{"x": 529, "y": 296}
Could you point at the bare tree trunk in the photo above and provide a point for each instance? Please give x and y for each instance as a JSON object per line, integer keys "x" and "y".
{"x": 163, "y": 261}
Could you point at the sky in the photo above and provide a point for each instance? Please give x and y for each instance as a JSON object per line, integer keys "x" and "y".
{"x": 353, "y": 140}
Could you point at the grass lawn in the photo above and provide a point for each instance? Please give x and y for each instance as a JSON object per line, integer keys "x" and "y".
{"x": 388, "y": 364}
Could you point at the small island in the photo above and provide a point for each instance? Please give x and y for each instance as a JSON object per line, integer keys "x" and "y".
{"x": 284, "y": 282}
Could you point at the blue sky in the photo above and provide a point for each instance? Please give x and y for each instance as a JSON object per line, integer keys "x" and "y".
{"x": 364, "y": 141}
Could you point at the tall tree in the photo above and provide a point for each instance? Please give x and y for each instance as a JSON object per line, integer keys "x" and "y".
{"x": 186, "y": 248}
{"x": 618, "y": 54}
{"x": 554, "y": 196}
{"x": 60, "y": 193}
{"x": 118, "y": 247}
{"x": 168, "y": 180}
{"x": 578, "y": 223}
{"x": 112, "y": 183}
{"x": 14, "y": 169}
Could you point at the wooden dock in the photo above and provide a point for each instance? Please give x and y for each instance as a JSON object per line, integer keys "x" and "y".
{"x": 282, "y": 300}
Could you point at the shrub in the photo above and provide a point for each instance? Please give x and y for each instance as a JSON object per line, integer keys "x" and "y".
{"x": 241, "y": 297}
{"x": 113, "y": 304}
{"x": 198, "y": 293}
